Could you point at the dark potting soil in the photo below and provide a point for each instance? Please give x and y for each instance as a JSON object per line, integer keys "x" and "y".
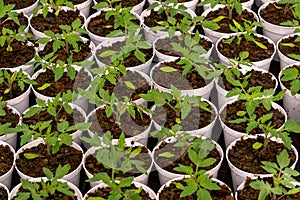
{"x": 34, "y": 167}
{"x": 245, "y": 157}
{"x": 19, "y": 4}
{"x": 20, "y": 55}
{"x": 277, "y": 15}
{"x": 95, "y": 167}
{"x": 56, "y": 196}
{"x": 81, "y": 80}
{"x": 286, "y": 50}
{"x": 164, "y": 45}
{"x": 3, "y": 194}
{"x": 10, "y": 117}
{"x": 173, "y": 193}
{"x": 130, "y": 61}
{"x": 181, "y": 157}
{"x": 224, "y": 23}
{"x": 6, "y": 159}
{"x": 10, "y": 24}
{"x": 122, "y": 90}
{"x": 104, "y": 192}
{"x": 131, "y": 127}
{"x": 256, "y": 53}
{"x": 52, "y": 22}
{"x": 166, "y": 116}
{"x": 73, "y": 118}
{"x": 153, "y": 19}
{"x": 192, "y": 80}
{"x": 287, "y": 84}
{"x": 83, "y": 54}
{"x": 124, "y": 3}
{"x": 248, "y": 193}
{"x": 257, "y": 78}
{"x": 75, "y": 2}
{"x": 230, "y": 113}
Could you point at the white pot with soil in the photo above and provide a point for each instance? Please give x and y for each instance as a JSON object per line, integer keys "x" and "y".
{"x": 29, "y": 9}
{"x": 84, "y": 7}
{"x": 7, "y": 160}
{"x": 246, "y": 4}
{"x": 191, "y": 4}
{"x": 4, "y": 192}
{"x": 136, "y": 8}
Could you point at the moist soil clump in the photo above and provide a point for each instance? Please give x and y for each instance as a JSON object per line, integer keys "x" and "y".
{"x": 9, "y": 117}
{"x": 81, "y": 80}
{"x": 256, "y": 53}
{"x": 52, "y": 22}
{"x": 243, "y": 156}
{"x": 230, "y": 113}
{"x": 173, "y": 193}
{"x": 3, "y": 194}
{"x": 286, "y": 50}
{"x": 124, "y": 3}
{"x": 21, "y": 54}
{"x": 6, "y": 159}
{"x": 277, "y": 16}
{"x": 181, "y": 157}
{"x": 19, "y": 4}
{"x": 34, "y": 167}
{"x": 95, "y": 167}
{"x": 131, "y": 127}
{"x": 287, "y": 84}
{"x": 248, "y": 193}
{"x": 11, "y": 25}
{"x": 224, "y": 23}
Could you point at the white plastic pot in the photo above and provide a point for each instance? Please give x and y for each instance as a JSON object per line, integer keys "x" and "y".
{"x": 203, "y": 92}
{"x": 148, "y": 190}
{"x": 248, "y": 4}
{"x": 143, "y": 178}
{"x": 6, "y": 178}
{"x": 229, "y": 134}
{"x": 188, "y": 4}
{"x": 291, "y": 103}
{"x": 136, "y": 9}
{"x": 72, "y": 177}
{"x": 6, "y": 189}
{"x": 28, "y": 10}
{"x": 263, "y": 64}
{"x": 77, "y": 192}
{"x": 165, "y": 176}
{"x": 238, "y": 175}
{"x": 222, "y": 99}
{"x": 84, "y": 7}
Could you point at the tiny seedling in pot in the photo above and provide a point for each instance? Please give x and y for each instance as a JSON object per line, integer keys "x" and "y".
{"x": 7, "y": 14}
{"x": 55, "y": 5}
{"x": 292, "y": 6}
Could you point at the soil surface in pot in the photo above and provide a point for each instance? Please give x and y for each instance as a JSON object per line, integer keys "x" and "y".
{"x": 243, "y": 156}
{"x": 34, "y": 167}
{"x": 256, "y": 53}
{"x": 230, "y": 113}
{"x": 173, "y": 193}
{"x": 224, "y": 23}
{"x": 75, "y": 2}
{"x": 101, "y": 27}
{"x": 166, "y": 116}
{"x": 181, "y": 157}
{"x": 19, "y": 4}
{"x": 14, "y": 92}
{"x": 257, "y": 78}
{"x": 130, "y": 61}
{"x": 124, "y": 3}
{"x": 10, "y": 24}
{"x": 286, "y": 50}
{"x": 248, "y": 193}
{"x": 56, "y": 196}
{"x": 52, "y": 22}
{"x": 21, "y": 54}
{"x": 287, "y": 84}
{"x": 154, "y": 17}
{"x": 131, "y": 127}
{"x": 104, "y": 192}
{"x": 275, "y": 13}
{"x": 122, "y": 90}
{"x": 95, "y": 167}
{"x": 3, "y": 194}
{"x": 6, "y": 159}
{"x": 164, "y": 45}
{"x": 81, "y": 80}
{"x": 83, "y": 53}
{"x": 191, "y": 80}
{"x": 10, "y": 117}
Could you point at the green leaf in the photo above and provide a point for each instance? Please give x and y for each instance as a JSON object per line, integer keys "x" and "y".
{"x": 45, "y": 86}
{"x": 218, "y": 19}
{"x": 167, "y": 155}
{"x": 257, "y": 145}
{"x": 168, "y": 69}
{"x": 30, "y": 156}
{"x": 203, "y": 194}
{"x": 107, "y": 53}
{"x": 292, "y": 126}
{"x": 130, "y": 85}
{"x": 188, "y": 190}
{"x": 48, "y": 173}
{"x": 283, "y": 159}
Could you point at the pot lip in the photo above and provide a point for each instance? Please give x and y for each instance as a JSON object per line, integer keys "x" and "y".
{"x": 245, "y": 137}
{"x": 257, "y": 35}
{"x": 297, "y": 96}
{"x": 6, "y": 189}
{"x": 173, "y": 139}
{"x": 77, "y": 192}
{"x": 277, "y": 106}
{"x": 278, "y": 43}
{"x": 137, "y": 184}
{"x": 270, "y": 24}
{"x": 14, "y": 160}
